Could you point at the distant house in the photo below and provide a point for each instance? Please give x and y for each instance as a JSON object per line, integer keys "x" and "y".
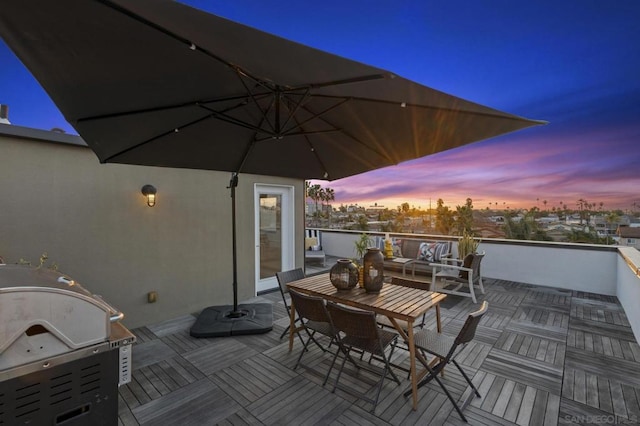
{"x": 548, "y": 219}
{"x": 629, "y": 236}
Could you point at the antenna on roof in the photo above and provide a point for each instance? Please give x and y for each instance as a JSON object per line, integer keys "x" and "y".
{"x": 4, "y": 114}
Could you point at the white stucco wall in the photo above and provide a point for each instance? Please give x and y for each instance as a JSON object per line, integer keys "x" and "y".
{"x": 628, "y": 291}
{"x": 555, "y": 265}
{"x": 93, "y": 222}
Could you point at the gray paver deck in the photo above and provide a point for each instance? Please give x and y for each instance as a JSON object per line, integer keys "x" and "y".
{"x": 542, "y": 356}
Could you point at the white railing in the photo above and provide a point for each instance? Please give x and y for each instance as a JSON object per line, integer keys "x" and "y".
{"x": 600, "y": 269}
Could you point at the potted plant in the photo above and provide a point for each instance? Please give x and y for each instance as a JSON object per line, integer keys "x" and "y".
{"x": 360, "y": 246}
{"x": 467, "y": 244}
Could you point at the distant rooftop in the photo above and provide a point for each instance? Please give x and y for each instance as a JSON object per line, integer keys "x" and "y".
{"x": 629, "y": 232}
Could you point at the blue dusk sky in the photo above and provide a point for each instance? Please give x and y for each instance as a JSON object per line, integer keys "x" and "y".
{"x": 573, "y": 63}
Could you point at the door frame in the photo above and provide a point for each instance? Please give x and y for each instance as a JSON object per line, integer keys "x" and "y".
{"x": 287, "y": 218}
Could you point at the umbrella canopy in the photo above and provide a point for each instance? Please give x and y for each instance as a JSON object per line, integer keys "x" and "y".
{"x": 158, "y": 83}
{"x": 155, "y": 82}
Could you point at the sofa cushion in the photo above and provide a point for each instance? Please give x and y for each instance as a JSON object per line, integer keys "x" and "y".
{"x": 411, "y": 248}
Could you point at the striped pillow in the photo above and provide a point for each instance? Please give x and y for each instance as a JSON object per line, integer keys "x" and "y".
{"x": 441, "y": 250}
{"x": 426, "y": 251}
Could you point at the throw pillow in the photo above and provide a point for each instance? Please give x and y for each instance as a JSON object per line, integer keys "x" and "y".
{"x": 310, "y": 242}
{"x": 396, "y": 244}
{"x": 441, "y": 249}
{"x": 425, "y": 252}
{"x": 378, "y": 242}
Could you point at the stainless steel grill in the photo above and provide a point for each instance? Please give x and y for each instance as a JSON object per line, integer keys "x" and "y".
{"x": 63, "y": 351}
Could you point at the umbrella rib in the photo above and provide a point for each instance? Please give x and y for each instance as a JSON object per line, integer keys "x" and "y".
{"x": 297, "y": 104}
{"x": 383, "y": 155}
{"x": 165, "y": 31}
{"x": 228, "y": 119}
{"x": 163, "y": 134}
{"x": 186, "y": 41}
{"x": 214, "y": 114}
{"x": 315, "y": 154}
{"x": 317, "y": 116}
{"x": 303, "y": 133}
{"x": 264, "y": 112}
{"x": 344, "y": 81}
{"x": 166, "y": 107}
{"x": 438, "y": 108}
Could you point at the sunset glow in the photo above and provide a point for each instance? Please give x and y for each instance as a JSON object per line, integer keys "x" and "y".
{"x": 572, "y": 63}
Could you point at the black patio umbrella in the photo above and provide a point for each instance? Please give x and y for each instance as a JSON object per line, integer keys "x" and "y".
{"x": 158, "y": 83}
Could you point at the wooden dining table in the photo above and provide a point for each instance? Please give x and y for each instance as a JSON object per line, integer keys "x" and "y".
{"x": 393, "y": 301}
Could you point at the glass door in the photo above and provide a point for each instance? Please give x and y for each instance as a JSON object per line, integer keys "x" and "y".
{"x": 274, "y": 233}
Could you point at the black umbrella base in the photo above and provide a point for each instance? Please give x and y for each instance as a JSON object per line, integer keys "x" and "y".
{"x": 221, "y": 321}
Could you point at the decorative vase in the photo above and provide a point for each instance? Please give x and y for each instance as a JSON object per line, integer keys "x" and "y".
{"x": 344, "y": 274}
{"x": 388, "y": 248}
{"x": 373, "y": 270}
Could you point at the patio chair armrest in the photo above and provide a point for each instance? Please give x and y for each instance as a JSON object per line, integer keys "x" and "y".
{"x": 448, "y": 259}
{"x": 445, "y": 266}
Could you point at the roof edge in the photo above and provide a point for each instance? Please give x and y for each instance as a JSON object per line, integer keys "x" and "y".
{"x": 41, "y": 135}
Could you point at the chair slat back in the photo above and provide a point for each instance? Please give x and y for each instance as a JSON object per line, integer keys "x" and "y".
{"x": 286, "y": 277}
{"x": 468, "y": 331}
{"x": 475, "y": 265}
{"x": 404, "y": 282}
{"x": 310, "y": 307}
{"x": 354, "y": 323}
{"x": 471, "y": 261}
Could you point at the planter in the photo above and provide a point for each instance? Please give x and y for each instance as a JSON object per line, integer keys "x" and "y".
{"x": 373, "y": 264}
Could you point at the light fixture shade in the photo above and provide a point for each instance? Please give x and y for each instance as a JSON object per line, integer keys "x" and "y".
{"x": 150, "y": 191}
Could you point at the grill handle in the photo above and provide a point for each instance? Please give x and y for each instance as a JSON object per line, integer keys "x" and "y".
{"x": 116, "y": 315}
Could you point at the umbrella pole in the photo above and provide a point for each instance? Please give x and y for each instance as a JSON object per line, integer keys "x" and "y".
{"x": 233, "y": 183}
{"x": 251, "y": 318}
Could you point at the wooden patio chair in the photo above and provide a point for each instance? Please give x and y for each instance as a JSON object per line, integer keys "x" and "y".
{"x": 357, "y": 329}
{"x": 465, "y": 273}
{"x": 313, "y": 246}
{"x": 285, "y": 277}
{"x": 445, "y": 348}
{"x": 314, "y": 318}
{"x": 405, "y": 282}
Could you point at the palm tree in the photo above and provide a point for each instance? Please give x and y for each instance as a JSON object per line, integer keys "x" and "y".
{"x": 314, "y": 193}
{"x": 330, "y": 195}
{"x": 611, "y": 219}
{"x": 581, "y": 204}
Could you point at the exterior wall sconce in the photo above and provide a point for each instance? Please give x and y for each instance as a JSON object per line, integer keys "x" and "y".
{"x": 149, "y": 191}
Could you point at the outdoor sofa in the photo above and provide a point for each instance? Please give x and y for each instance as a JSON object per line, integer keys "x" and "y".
{"x": 414, "y": 255}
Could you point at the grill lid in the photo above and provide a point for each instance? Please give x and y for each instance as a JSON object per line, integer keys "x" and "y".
{"x": 43, "y": 313}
